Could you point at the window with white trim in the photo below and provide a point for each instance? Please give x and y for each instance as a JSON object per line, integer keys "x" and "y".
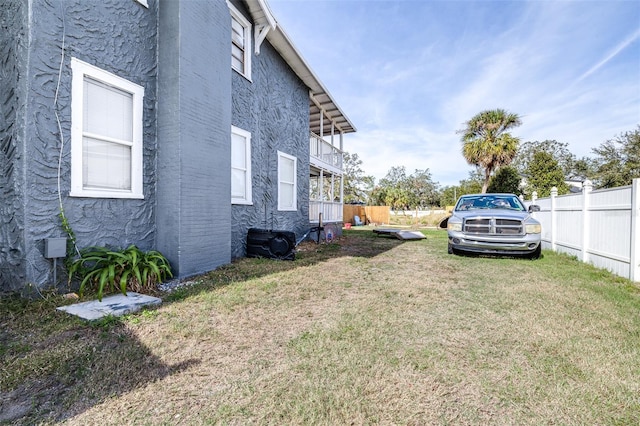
{"x": 240, "y": 42}
{"x": 240, "y": 166}
{"x": 106, "y": 134}
{"x": 287, "y": 187}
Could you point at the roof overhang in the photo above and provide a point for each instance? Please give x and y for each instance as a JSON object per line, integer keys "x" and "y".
{"x": 263, "y": 21}
{"x": 321, "y": 102}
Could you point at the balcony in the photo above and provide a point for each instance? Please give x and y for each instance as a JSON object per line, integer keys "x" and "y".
{"x": 331, "y": 211}
{"x": 324, "y": 155}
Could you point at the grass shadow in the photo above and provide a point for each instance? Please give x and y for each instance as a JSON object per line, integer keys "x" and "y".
{"x": 360, "y": 242}
{"x": 55, "y": 366}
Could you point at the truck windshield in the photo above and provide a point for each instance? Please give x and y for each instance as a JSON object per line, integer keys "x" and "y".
{"x": 476, "y": 202}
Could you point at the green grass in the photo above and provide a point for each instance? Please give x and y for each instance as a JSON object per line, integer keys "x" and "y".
{"x": 367, "y": 330}
{"x": 428, "y": 221}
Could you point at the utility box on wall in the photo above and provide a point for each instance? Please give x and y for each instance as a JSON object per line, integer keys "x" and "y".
{"x": 55, "y": 247}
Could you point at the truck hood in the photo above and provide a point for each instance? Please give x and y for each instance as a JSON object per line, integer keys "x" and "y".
{"x": 501, "y": 213}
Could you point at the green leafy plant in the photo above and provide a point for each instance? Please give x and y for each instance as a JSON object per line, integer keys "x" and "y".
{"x": 71, "y": 241}
{"x": 131, "y": 269}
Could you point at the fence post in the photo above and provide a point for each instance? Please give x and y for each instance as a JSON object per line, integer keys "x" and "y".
{"x": 634, "y": 256}
{"x": 587, "y": 186}
{"x": 554, "y": 227}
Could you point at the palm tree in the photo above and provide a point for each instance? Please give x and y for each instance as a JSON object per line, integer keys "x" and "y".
{"x": 486, "y": 143}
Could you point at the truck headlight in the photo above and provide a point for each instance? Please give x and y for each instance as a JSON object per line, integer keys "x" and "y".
{"x": 533, "y": 228}
{"x": 455, "y": 226}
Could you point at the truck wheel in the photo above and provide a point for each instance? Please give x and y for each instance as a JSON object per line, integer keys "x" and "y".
{"x": 537, "y": 253}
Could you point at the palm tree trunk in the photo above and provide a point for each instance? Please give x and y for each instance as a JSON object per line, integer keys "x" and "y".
{"x": 487, "y": 178}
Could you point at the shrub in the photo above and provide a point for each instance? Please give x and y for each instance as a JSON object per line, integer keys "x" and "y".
{"x": 129, "y": 269}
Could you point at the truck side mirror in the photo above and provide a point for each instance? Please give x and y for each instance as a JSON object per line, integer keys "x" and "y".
{"x": 534, "y": 208}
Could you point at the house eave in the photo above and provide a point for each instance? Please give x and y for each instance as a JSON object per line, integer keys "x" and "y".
{"x": 263, "y": 21}
{"x": 321, "y": 102}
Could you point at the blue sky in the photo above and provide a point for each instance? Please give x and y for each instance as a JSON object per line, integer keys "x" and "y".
{"x": 410, "y": 73}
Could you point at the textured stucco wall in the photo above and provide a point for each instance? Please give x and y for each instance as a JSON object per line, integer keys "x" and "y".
{"x": 181, "y": 48}
{"x": 194, "y": 134}
{"x": 119, "y": 37}
{"x": 13, "y": 43}
{"x": 274, "y": 107}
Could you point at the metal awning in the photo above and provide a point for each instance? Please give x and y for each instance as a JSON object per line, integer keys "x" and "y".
{"x": 320, "y": 100}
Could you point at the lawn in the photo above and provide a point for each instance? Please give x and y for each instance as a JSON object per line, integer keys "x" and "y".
{"x": 366, "y": 330}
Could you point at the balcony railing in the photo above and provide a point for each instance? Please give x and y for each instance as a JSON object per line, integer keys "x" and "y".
{"x": 326, "y": 153}
{"x": 331, "y": 211}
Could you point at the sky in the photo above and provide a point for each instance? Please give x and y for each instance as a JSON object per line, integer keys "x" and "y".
{"x": 410, "y": 73}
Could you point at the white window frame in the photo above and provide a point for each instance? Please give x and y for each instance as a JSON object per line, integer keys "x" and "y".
{"x": 80, "y": 71}
{"x": 246, "y": 25}
{"x": 247, "y": 199}
{"x": 294, "y": 184}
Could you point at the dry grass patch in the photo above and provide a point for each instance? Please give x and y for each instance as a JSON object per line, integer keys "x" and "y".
{"x": 368, "y": 330}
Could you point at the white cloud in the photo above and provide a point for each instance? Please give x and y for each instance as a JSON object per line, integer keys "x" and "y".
{"x": 410, "y": 74}
{"x": 414, "y": 148}
{"x": 616, "y": 50}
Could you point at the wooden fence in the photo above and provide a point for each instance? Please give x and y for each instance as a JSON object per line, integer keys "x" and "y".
{"x": 377, "y": 215}
{"x": 600, "y": 227}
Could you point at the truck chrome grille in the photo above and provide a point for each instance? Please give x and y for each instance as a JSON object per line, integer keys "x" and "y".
{"x": 493, "y": 226}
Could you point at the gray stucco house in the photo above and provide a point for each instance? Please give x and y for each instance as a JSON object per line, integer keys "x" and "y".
{"x": 174, "y": 125}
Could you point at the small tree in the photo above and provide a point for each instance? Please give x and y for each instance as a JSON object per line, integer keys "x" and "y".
{"x": 397, "y": 199}
{"x": 584, "y": 168}
{"x": 402, "y": 191}
{"x": 357, "y": 185}
{"x": 544, "y": 172}
{"x": 558, "y": 150}
{"x": 507, "y": 179}
{"x": 618, "y": 160}
{"x": 422, "y": 190}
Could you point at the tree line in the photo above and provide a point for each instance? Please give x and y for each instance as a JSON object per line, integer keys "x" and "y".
{"x": 502, "y": 164}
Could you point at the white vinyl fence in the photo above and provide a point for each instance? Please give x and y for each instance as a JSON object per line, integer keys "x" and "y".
{"x": 600, "y": 227}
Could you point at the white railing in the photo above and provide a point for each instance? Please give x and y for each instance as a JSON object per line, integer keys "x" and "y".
{"x": 325, "y": 152}
{"x": 331, "y": 211}
{"x": 601, "y": 227}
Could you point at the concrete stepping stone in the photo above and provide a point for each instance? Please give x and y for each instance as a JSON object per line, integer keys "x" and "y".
{"x": 114, "y": 305}
{"x": 401, "y": 234}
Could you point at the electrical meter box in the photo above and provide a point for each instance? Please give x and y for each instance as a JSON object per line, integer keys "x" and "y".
{"x": 55, "y": 247}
